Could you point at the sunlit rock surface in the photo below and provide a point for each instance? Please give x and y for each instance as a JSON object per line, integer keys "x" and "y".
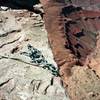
{"x": 20, "y": 80}
{"x": 73, "y": 31}
{"x": 84, "y": 84}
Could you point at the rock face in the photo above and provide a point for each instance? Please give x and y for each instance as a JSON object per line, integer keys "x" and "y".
{"x": 93, "y": 60}
{"x": 73, "y": 32}
{"x": 84, "y": 84}
{"x": 81, "y": 30}
{"x": 19, "y": 78}
{"x": 88, "y": 4}
{"x": 75, "y": 28}
{"x": 55, "y": 27}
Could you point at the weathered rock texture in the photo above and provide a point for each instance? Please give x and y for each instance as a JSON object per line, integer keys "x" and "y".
{"x": 19, "y": 79}
{"x": 84, "y": 84}
{"x": 55, "y": 27}
{"x": 73, "y": 33}
{"x": 88, "y": 4}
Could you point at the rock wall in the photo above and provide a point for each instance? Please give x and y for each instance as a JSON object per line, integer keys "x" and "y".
{"x": 20, "y": 79}
{"x": 55, "y": 27}
{"x": 73, "y": 33}
{"x": 84, "y": 84}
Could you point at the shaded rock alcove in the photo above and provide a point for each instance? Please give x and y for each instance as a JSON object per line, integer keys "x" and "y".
{"x": 81, "y": 34}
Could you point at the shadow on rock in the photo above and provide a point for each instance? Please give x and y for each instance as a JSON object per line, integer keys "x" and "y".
{"x": 19, "y": 4}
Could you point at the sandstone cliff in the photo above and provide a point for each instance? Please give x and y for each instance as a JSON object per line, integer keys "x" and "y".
{"x": 73, "y": 32}
{"x": 67, "y": 37}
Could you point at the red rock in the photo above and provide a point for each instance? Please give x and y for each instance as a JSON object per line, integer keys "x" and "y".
{"x": 73, "y": 39}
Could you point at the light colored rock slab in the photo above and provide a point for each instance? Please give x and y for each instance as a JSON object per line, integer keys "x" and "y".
{"x": 18, "y": 80}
